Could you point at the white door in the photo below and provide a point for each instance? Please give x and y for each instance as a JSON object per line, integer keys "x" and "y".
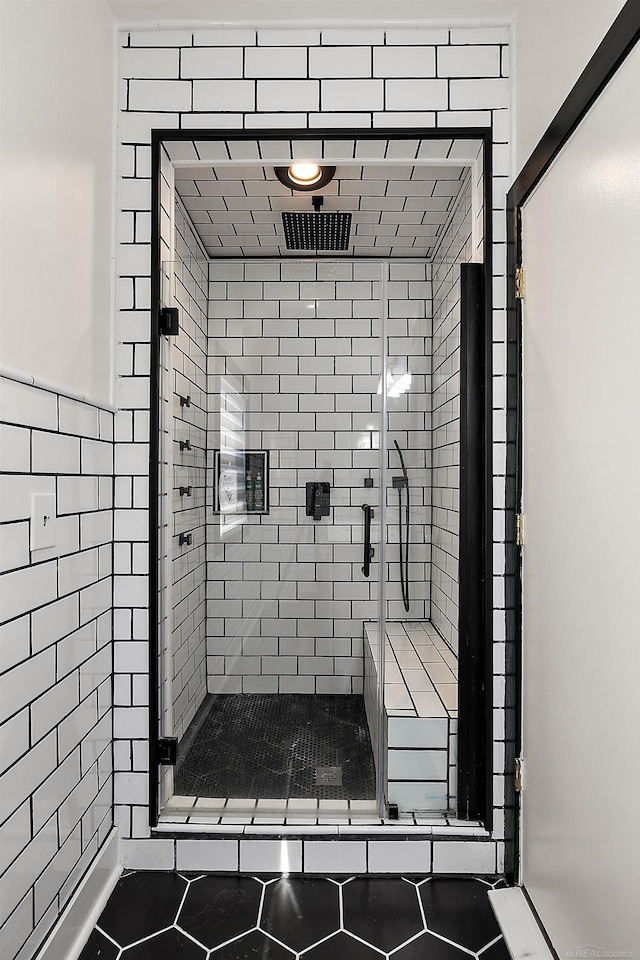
{"x": 581, "y": 559}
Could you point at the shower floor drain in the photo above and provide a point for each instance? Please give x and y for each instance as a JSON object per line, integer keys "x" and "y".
{"x": 329, "y": 776}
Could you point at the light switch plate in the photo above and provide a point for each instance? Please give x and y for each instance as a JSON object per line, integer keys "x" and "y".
{"x": 43, "y": 520}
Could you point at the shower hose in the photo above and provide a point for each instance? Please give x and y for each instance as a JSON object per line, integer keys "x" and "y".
{"x": 404, "y": 545}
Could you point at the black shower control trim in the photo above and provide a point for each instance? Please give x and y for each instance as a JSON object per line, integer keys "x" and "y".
{"x": 185, "y": 491}
{"x": 169, "y": 322}
{"x": 185, "y": 401}
{"x": 185, "y": 538}
{"x": 318, "y": 500}
{"x": 167, "y": 751}
{"x": 185, "y": 445}
{"x": 368, "y": 481}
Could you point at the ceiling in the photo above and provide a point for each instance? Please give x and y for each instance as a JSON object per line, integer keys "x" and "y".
{"x": 401, "y": 193}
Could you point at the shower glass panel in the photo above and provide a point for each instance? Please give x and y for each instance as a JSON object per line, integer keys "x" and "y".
{"x": 181, "y": 491}
{"x": 420, "y": 699}
{"x": 278, "y": 709}
{"x": 164, "y": 536}
{"x": 278, "y": 638}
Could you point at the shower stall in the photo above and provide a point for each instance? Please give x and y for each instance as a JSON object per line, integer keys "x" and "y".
{"x": 309, "y": 479}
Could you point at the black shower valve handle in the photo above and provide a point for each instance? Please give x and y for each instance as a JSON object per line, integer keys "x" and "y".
{"x": 318, "y": 499}
{"x": 185, "y": 401}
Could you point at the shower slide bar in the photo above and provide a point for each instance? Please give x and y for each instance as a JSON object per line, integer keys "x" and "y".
{"x": 402, "y": 484}
{"x": 368, "y": 549}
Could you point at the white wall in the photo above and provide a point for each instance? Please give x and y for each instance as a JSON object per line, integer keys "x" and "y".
{"x": 581, "y": 858}
{"x": 258, "y": 12}
{"x": 56, "y": 192}
{"x": 56, "y": 117}
{"x": 554, "y": 41}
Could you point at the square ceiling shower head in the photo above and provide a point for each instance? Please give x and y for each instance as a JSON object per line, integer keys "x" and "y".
{"x": 316, "y": 231}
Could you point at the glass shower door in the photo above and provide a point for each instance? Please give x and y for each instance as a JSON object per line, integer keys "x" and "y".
{"x": 182, "y": 415}
{"x": 293, "y": 439}
{"x": 289, "y": 722}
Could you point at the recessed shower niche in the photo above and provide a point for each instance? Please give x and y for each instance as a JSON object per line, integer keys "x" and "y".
{"x": 317, "y": 662}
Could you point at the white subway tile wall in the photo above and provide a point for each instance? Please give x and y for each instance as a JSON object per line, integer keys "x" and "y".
{"x": 375, "y": 98}
{"x": 286, "y": 594}
{"x": 188, "y": 403}
{"x": 456, "y": 247}
{"x": 56, "y": 725}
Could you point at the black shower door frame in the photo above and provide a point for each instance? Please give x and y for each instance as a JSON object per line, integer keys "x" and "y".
{"x": 475, "y": 684}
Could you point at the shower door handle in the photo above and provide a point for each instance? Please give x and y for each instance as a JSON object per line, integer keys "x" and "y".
{"x": 368, "y": 549}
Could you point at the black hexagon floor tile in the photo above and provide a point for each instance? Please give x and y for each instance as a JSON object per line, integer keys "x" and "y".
{"x": 254, "y": 945}
{"x": 217, "y": 908}
{"x": 428, "y": 946}
{"x": 148, "y": 912}
{"x": 459, "y": 910}
{"x": 141, "y": 904}
{"x": 301, "y": 911}
{"x": 98, "y": 947}
{"x": 342, "y": 945}
{"x": 284, "y": 738}
{"x": 383, "y": 912}
{"x": 169, "y": 945}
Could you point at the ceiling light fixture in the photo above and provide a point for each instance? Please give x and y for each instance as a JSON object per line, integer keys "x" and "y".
{"x": 305, "y": 176}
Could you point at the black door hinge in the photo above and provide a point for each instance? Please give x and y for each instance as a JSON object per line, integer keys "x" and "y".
{"x": 168, "y": 751}
{"x": 169, "y": 321}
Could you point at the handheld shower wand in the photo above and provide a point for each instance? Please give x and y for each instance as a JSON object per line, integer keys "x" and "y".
{"x": 400, "y": 484}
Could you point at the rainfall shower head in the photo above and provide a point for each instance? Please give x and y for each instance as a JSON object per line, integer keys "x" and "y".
{"x": 316, "y": 231}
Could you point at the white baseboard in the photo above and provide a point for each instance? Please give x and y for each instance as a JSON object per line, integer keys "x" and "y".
{"x": 75, "y": 923}
{"x": 519, "y": 926}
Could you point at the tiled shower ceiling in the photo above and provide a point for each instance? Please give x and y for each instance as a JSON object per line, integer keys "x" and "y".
{"x": 401, "y": 193}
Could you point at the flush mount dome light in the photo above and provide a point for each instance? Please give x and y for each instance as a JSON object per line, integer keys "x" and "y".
{"x": 305, "y": 176}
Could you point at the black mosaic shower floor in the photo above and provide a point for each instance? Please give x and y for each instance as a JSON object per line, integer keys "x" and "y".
{"x": 170, "y": 916}
{"x": 269, "y": 747}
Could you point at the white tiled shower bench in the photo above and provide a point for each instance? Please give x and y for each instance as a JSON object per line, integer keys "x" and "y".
{"x": 420, "y": 714}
